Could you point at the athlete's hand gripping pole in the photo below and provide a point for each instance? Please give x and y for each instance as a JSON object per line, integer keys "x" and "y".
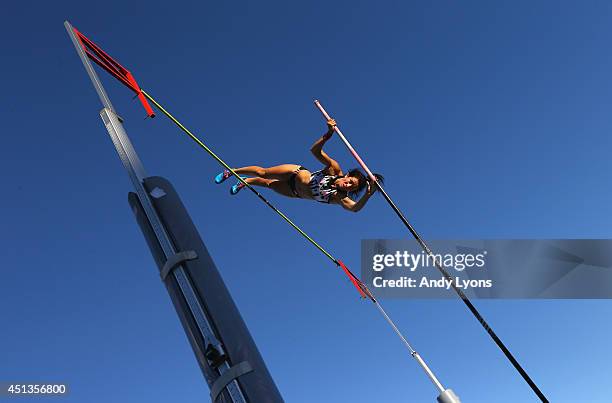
{"x": 348, "y": 145}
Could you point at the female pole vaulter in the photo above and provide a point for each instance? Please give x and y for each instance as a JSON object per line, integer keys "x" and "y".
{"x": 327, "y": 185}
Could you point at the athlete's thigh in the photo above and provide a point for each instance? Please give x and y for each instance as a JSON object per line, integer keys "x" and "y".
{"x": 281, "y": 172}
{"x": 281, "y": 187}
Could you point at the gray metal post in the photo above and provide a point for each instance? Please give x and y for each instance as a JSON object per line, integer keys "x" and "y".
{"x": 135, "y": 170}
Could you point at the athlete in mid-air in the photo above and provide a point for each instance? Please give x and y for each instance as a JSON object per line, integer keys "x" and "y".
{"x": 327, "y": 185}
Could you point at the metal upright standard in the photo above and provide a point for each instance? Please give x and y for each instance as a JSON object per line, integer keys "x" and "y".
{"x": 226, "y": 353}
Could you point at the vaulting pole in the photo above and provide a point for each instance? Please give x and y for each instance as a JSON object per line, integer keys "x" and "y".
{"x": 438, "y": 265}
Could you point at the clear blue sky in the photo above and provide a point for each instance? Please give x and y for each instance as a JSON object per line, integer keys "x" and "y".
{"x": 488, "y": 120}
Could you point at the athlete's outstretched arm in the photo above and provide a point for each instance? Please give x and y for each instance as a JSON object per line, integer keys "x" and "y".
{"x": 317, "y": 150}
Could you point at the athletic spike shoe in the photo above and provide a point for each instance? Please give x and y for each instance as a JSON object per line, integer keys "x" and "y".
{"x": 222, "y": 176}
{"x": 236, "y": 188}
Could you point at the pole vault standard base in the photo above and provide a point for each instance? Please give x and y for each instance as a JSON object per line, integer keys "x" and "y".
{"x": 448, "y": 396}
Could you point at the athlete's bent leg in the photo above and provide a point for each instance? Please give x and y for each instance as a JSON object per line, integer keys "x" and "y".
{"x": 259, "y": 182}
{"x": 280, "y": 172}
{"x": 281, "y": 187}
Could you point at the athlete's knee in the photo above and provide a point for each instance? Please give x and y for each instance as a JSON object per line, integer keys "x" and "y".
{"x": 261, "y": 172}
